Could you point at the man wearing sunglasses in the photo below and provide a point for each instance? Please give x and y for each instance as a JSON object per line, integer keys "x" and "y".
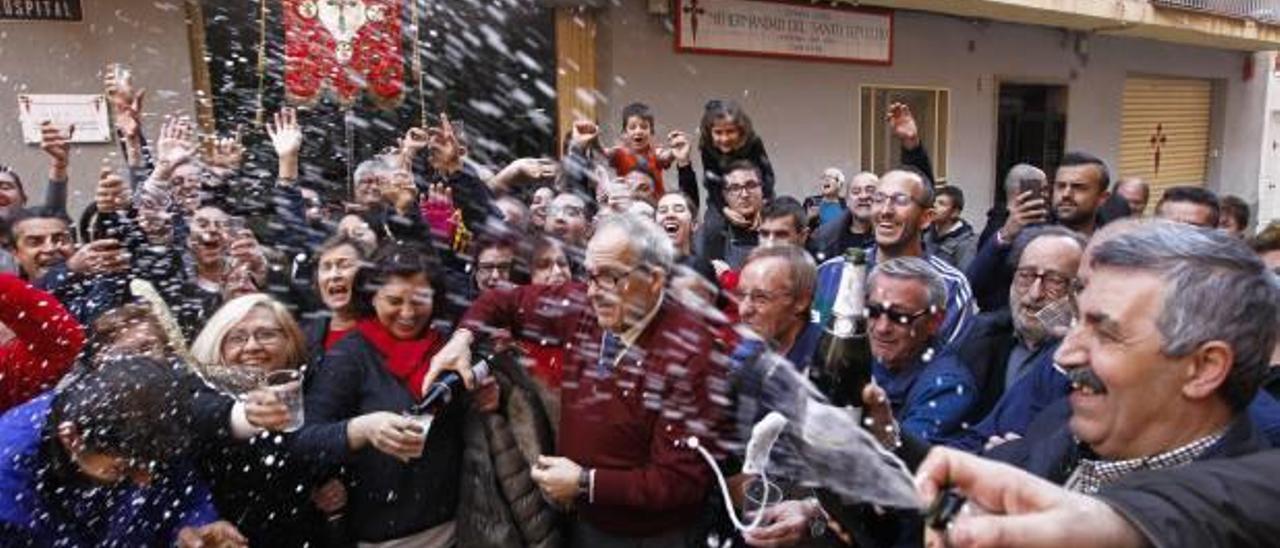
{"x": 929, "y": 394}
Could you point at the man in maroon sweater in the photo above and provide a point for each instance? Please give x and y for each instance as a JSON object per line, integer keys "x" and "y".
{"x": 642, "y": 375}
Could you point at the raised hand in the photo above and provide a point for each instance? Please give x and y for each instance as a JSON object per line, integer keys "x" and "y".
{"x": 1028, "y": 209}
{"x": 126, "y": 101}
{"x": 286, "y": 137}
{"x": 99, "y": 257}
{"x": 585, "y": 132}
{"x": 538, "y": 168}
{"x": 112, "y": 193}
{"x": 285, "y": 133}
{"x": 412, "y": 144}
{"x": 57, "y": 144}
{"x": 680, "y": 147}
{"x": 446, "y": 150}
{"x": 175, "y": 147}
{"x": 226, "y": 152}
{"x": 903, "y": 124}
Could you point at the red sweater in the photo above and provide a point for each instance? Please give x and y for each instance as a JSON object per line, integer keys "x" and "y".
{"x": 630, "y": 425}
{"x": 47, "y": 341}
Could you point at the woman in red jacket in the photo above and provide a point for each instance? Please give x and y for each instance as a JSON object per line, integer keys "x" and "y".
{"x": 47, "y": 340}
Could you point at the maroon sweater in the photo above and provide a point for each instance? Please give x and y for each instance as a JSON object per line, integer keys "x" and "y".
{"x": 631, "y": 424}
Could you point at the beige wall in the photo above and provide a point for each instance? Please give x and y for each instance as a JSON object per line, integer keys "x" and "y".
{"x": 49, "y": 57}
{"x": 807, "y": 111}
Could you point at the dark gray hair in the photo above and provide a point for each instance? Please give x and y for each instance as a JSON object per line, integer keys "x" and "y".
{"x": 914, "y": 268}
{"x": 1217, "y": 289}
{"x": 802, "y": 271}
{"x": 646, "y": 238}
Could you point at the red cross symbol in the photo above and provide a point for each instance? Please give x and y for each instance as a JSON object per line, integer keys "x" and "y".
{"x": 1158, "y": 141}
{"x": 694, "y": 11}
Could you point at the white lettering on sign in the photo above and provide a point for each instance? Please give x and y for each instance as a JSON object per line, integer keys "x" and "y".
{"x": 765, "y": 28}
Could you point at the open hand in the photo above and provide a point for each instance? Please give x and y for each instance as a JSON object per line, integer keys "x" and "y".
{"x": 227, "y": 152}
{"x": 285, "y": 134}
{"x": 175, "y": 146}
{"x": 903, "y": 124}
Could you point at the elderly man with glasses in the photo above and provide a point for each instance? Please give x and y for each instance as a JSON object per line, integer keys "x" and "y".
{"x": 640, "y": 378}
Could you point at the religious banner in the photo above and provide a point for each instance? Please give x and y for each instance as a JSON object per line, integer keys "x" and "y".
{"x": 343, "y": 45}
{"x": 766, "y": 28}
{"x": 40, "y": 10}
{"x": 88, "y": 113}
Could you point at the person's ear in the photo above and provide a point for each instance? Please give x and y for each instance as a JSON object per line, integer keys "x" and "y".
{"x": 1207, "y": 369}
{"x": 926, "y": 218}
{"x": 69, "y": 437}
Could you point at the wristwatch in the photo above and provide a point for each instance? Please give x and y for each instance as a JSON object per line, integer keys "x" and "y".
{"x": 584, "y": 483}
{"x": 818, "y": 522}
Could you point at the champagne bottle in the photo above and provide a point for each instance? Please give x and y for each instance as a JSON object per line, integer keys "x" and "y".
{"x": 843, "y": 365}
{"x": 441, "y": 392}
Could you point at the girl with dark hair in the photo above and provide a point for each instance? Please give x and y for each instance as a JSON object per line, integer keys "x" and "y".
{"x": 728, "y": 136}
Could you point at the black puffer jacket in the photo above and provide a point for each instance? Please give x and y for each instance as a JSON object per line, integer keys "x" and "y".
{"x": 500, "y": 505}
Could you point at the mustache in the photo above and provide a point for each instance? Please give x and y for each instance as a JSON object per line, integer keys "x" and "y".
{"x": 1085, "y": 377}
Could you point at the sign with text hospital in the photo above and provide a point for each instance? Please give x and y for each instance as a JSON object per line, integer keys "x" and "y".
{"x": 778, "y": 29}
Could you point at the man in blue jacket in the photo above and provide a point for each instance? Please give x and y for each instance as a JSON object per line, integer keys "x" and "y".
{"x": 100, "y": 462}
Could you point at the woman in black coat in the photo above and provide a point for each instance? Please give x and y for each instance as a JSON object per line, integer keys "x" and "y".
{"x": 402, "y": 475}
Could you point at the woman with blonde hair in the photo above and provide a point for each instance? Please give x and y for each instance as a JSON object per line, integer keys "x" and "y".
{"x": 268, "y": 492}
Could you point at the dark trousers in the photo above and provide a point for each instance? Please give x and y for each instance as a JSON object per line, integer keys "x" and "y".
{"x": 587, "y": 536}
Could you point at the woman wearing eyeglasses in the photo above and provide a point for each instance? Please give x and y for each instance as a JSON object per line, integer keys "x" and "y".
{"x": 257, "y": 483}
{"x": 402, "y": 475}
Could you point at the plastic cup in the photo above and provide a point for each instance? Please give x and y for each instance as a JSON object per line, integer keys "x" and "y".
{"x": 759, "y": 495}
{"x": 286, "y": 384}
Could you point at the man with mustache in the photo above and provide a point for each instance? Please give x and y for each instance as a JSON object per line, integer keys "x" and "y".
{"x": 639, "y": 380}
{"x": 1176, "y": 326}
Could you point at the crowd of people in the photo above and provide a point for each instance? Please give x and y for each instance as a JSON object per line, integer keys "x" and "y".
{"x": 1122, "y": 369}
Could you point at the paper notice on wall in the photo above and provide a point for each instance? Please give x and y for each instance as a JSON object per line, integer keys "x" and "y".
{"x": 825, "y": 32}
{"x": 87, "y": 112}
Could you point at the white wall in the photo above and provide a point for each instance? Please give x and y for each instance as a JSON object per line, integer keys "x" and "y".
{"x": 807, "y": 112}
{"x": 49, "y": 57}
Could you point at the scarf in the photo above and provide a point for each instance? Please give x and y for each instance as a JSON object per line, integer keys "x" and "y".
{"x": 407, "y": 360}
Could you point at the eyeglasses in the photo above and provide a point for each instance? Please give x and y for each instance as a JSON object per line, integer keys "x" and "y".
{"x": 899, "y": 199}
{"x": 761, "y": 298}
{"x": 609, "y": 280}
{"x": 745, "y": 188}
{"x": 875, "y": 310}
{"x": 265, "y": 337}
{"x": 1052, "y": 283}
{"x": 494, "y": 267}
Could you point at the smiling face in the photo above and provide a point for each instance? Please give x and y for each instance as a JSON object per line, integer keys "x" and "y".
{"x": 897, "y": 225}
{"x": 335, "y": 276}
{"x": 1118, "y": 341}
{"x": 767, "y": 300}
{"x": 726, "y": 135}
{"x": 676, "y": 218}
{"x": 257, "y": 340}
{"x": 493, "y": 267}
{"x": 858, "y": 197}
{"x": 638, "y": 134}
{"x": 620, "y": 289}
{"x": 40, "y": 243}
{"x": 209, "y": 240}
{"x": 538, "y": 206}
{"x": 567, "y": 219}
{"x": 11, "y": 196}
{"x": 1043, "y": 276}
{"x": 894, "y": 343}
{"x": 403, "y": 305}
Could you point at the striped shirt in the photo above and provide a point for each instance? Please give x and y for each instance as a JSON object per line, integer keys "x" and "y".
{"x": 960, "y": 305}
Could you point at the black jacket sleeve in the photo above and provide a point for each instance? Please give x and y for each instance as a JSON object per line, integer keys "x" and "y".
{"x": 689, "y": 184}
{"x": 919, "y": 158}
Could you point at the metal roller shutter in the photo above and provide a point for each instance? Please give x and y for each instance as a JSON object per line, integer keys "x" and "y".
{"x": 1165, "y": 132}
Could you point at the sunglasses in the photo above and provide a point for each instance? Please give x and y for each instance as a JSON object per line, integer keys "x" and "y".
{"x": 875, "y": 310}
